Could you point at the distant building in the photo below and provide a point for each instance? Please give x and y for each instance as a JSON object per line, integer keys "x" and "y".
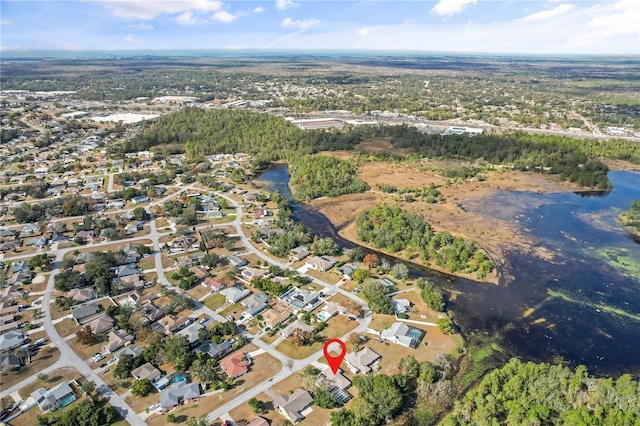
{"x": 403, "y": 334}
{"x": 235, "y": 365}
{"x": 292, "y": 405}
{"x": 179, "y": 393}
{"x": 363, "y": 361}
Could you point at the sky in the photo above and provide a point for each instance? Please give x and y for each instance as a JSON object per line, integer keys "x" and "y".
{"x": 605, "y": 27}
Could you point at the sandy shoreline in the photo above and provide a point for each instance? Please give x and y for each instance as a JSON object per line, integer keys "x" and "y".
{"x": 498, "y": 237}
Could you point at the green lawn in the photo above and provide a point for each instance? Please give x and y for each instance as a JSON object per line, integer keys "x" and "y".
{"x": 215, "y": 301}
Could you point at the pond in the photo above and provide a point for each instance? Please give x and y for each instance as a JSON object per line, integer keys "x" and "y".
{"x": 581, "y": 303}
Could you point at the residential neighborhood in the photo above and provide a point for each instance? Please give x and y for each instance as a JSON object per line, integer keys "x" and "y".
{"x": 161, "y": 293}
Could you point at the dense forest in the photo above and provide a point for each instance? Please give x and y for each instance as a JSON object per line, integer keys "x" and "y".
{"x": 393, "y": 229}
{"x": 318, "y": 176}
{"x": 544, "y": 394}
{"x": 200, "y": 132}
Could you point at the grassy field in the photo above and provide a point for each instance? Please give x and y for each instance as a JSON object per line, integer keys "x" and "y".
{"x": 215, "y": 301}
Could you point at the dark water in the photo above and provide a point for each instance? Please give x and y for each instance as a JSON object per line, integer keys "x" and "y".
{"x": 593, "y": 315}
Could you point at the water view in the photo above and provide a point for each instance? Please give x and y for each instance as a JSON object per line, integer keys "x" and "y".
{"x": 579, "y": 303}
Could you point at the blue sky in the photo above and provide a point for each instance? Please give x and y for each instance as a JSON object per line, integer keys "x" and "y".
{"x": 469, "y": 26}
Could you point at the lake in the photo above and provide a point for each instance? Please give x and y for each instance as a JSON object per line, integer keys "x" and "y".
{"x": 581, "y": 303}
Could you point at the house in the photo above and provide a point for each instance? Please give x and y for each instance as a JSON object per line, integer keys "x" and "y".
{"x": 183, "y": 242}
{"x": 146, "y": 371}
{"x": 54, "y": 398}
{"x": 84, "y": 257}
{"x": 235, "y": 365}
{"x": 215, "y": 350}
{"x": 117, "y": 339}
{"x": 172, "y": 324}
{"x": 83, "y": 294}
{"x": 9, "y": 307}
{"x": 401, "y": 306}
{"x": 253, "y": 273}
{"x": 235, "y": 293}
{"x": 11, "y": 340}
{"x": 297, "y": 324}
{"x": 328, "y": 380}
{"x": 331, "y": 309}
{"x": 347, "y": 270}
{"x": 254, "y": 304}
{"x": 321, "y": 263}
{"x": 403, "y": 334}
{"x": 276, "y": 315}
{"x": 140, "y": 199}
{"x": 179, "y": 393}
{"x": 29, "y": 230}
{"x": 299, "y": 253}
{"x": 126, "y": 270}
{"x": 131, "y": 228}
{"x": 302, "y": 299}
{"x": 236, "y": 260}
{"x": 133, "y": 350}
{"x": 102, "y": 324}
{"x": 214, "y": 284}
{"x": 191, "y": 332}
{"x": 8, "y": 361}
{"x": 292, "y": 405}
{"x": 87, "y": 236}
{"x": 363, "y": 361}
{"x": 39, "y": 242}
{"x": 19, "y": 266}
{"x": 128, "y": 282}
{"x": 199, "y": 272}
{"x": 152, "y": 312}
{"x": 85, "y": 310}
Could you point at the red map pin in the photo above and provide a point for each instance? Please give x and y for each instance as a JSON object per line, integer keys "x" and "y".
{"x": 334, "y": 361}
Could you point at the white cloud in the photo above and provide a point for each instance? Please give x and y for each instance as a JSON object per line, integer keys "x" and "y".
{"x": 6, "y": 22}
{"x": 302, "y": 24}
{"x": 365, "y": 31}
{"x": 285, "y": 4}
{"x": 224, "y": 16}
{"x": 187, "y": 18}
{"x": 142, "y": 26}
{"x": 135, "y": 9}
{"x": 130, "y": 39}
{"x": 548, "y": 14}
{"x": 451, "y": 7}
{"x": 608, "y": 22}
{"x": 259, "y": 9}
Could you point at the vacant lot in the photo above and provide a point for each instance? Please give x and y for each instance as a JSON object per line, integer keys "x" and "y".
{"x": 337, "y": 326}
{"x": 215, "y": 301}
{"x": 244, "y": 412}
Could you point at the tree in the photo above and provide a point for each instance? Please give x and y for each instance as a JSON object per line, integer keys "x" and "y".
{"x": 171, "y": 418}
{"x": 361, "y": 274}
{"x": 42, "y": 377}
{"x": 205, "y": 371}
{"x": 199, "y": 421}
{"x": 400, "y": 271}
{"x": 324, "y": 399}
{"x": 342, "y": 417}
{"x": 139, "y": 213}
{"x": 302, "y": 338}
{"x": 256, "y": 405}
{"x": 42, "y": 261}
{"x": 210, "y": 259}
{"x": 444, "y": 324}
{"x": 409, "y": 366}
{"x": 371, "y": 260}
{"x": 325, "y": 246}
{"x": 141, "y": 387}
{"x": 376, "y": 294}
{"x": 432, "y": 297}
{"x": 85, "y": 335}
{"x": 88, "y": 387}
